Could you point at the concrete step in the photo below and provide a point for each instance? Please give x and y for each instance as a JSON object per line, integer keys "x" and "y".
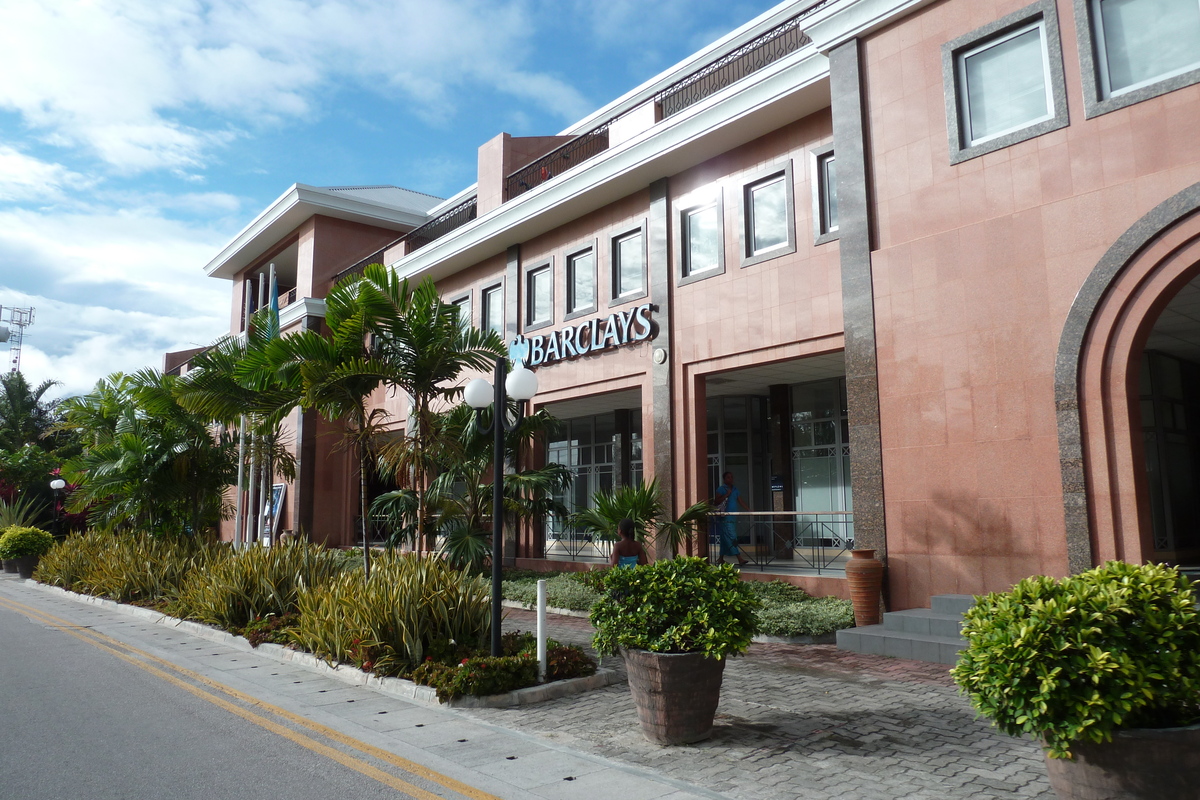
{"x": 878, "y": 640}
{"x": 924, "y": 621}
{"x": 952, "y": 603}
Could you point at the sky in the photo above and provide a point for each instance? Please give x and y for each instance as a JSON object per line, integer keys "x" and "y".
{"x": 137, "y": 137}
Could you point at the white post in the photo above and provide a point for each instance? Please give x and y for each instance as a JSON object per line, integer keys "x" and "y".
{"x": 541, "y": 630}
{"x": 239, "y": 527}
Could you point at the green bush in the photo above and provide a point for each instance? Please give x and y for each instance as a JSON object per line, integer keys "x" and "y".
{"x": 778, "y": 592}
{"x": 483, "y": 675}
{"x": 19, "y": 542}
{"x": 1079, "y": 658}
{"x": 679, "y": 605}
{"x": 128, "y": 568}
{"x": 562, "y": 591}
{"x": 255, "y": 583}
{"x": 385, "y": 624}
{"x": 816, "y": 616}
{"x": 271, "y": 628}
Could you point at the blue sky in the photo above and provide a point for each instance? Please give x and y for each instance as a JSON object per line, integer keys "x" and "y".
{"x": 138, "y": 136}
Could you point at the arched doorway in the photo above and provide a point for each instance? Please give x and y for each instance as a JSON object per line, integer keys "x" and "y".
{"x": 1128, "y": 396}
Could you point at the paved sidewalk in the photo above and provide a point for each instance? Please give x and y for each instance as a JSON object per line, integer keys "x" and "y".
{"x": 802, "y": 721}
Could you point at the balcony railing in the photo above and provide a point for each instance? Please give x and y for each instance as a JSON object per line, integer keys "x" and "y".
{"x": 782, "y": 40}
{"x": 557, "y": 161}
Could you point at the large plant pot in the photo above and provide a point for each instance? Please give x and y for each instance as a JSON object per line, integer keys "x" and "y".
{"x": 26, "y": 565}
{"x": 1138, "y": 764}
{"x": 864, "y": 574}
{"x": 676, "y": 694}
{"x": 10, "y": 565}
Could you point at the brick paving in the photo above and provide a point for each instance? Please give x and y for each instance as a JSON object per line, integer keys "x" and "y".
{"x": 804, "y": 721}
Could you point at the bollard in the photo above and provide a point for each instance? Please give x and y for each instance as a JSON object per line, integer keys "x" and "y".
{"x": 541, "y": 630}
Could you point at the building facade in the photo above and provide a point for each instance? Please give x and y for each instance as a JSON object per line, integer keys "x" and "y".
{"x": 919, "y": 274}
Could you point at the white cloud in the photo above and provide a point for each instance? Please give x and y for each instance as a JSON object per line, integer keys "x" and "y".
{"x": 24, "y": 178}
{"x": 126, "y": 79}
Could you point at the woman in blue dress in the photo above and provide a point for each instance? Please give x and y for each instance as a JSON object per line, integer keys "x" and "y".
{"x": 628, "y": 552}
{"x": 727, "y": 500}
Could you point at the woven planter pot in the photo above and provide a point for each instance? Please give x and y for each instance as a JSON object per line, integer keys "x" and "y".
{"x": 1138, "y": 764}
{"x": 676, "y": 694}
{"x": 864, "y": 575}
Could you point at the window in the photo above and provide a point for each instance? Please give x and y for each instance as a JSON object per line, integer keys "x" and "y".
{"x": 581, "y": 282}
{"x": 493, "y": 309}
{"x": 769, "y": 216}
{"x": 539, "y": 302}
{"x": 463, "y": 304}
{"x": 1138, "y": 49}
{"x": 629, "y": 266}
{"x": 824, "y": 191}
{"x": 702, "y": 246}
{"x": 1007, "y": 82}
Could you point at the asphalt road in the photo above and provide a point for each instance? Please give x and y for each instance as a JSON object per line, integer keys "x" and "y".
{"x": 80, "y": 722}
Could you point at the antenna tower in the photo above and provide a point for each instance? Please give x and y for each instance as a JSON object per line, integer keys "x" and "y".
{"x": 19, "y": 319}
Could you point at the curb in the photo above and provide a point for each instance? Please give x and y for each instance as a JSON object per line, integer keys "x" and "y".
{"x": 395, "y": 687}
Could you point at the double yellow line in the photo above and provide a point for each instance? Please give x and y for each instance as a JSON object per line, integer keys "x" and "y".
{"x": 163, "y": 669}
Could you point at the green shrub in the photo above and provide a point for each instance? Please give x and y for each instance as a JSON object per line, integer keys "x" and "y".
{"x": 387, "y": 623}
{"x": 19, "y": 542}
{"x": 815, "y": 616}
{"x": 778, "y": 592}
{"x": 271, "y": 628}
{"x": 478, "y": 676}
{"x": 71, "y": 560}
{"x": 484, "y": 675}
{"x": 679, "y": 605}
{"x": 255, "y": 583}
{"x": 128, "y": 568}
{"x": 562, "y": 591}
{"x": 1078, "y": 658}
{"x": 20, "y": 512}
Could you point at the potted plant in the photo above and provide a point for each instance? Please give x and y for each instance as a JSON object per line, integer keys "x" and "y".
{"x": 1102, "y": 667}
{"x": 674, "y": 622}
{"x": 25, "y": 546}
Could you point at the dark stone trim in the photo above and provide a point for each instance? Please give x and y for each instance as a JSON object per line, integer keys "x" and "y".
{"x": 820, "y": 236}
{"x": 658, "y": 267}
{"x": 1047, "y": 11}
{"x": 594, "y": 246}
{"x": 527, "y": 296}
{"x": 858, "y": 297}
{"x": 512, "y": 289}
{"x": 613, "y": 300}
{"x": 1094, "y": 104}
{"x": 784, "y": 168}
{"x": 1070, "y": 348}
{"x": 306, "y": 459}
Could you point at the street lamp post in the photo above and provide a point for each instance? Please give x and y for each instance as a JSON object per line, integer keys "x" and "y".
{"x": 58, "y": 485}
{"x": 521, "y": 385}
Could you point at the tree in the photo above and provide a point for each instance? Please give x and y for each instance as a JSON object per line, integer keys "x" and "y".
{"x": 644, "y": 505}
{"x": 382, "y": 334}
{"x": 147, "y": 462}
{"x": 26, "y": 417}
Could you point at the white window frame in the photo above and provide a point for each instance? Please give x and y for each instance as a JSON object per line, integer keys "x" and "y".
{"x": 823, "y": 228}
{"x": 488, "y": 295}
{"x": 776, "y": 172}
{"x": 1042, "y": 14}
{"x": 1097, "y": 97}
{"x": 573, "y": 308}
{"x": 463, "y": 304}
{"x": 617, "y": 296}
{"x": 545, "y": 268}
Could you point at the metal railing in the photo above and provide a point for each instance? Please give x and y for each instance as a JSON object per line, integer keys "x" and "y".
{"x": 418, "y": 237}
{"x": 782, "y": 40}
{"x": 795, "y": 540}
{"x": 557, "y": 161}
{"x": 569, "y": 544}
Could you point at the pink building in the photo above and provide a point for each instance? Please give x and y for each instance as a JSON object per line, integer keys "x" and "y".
{"x": 918, "y": 273}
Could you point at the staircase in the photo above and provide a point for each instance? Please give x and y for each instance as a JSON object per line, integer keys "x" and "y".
{"x": 922, "y": 634}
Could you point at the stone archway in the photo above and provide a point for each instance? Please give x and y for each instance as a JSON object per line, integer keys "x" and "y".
{"x": 1106, "y": 510}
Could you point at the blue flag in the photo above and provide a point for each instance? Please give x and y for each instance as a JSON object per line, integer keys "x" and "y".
{"x": 273, "y": 313}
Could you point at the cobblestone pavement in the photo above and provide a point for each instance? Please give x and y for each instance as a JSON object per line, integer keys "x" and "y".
{"x": 804, "y": 721}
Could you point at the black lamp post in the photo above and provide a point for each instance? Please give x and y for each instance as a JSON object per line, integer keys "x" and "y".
{"x": 521, "y": 385}
{"x": 58, "y": 485}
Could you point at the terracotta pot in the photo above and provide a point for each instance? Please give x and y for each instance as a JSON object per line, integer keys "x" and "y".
{"x": 1138, "y": 764}
{"x": 26, "y": 565}
{"x": 864, "y": 573}
{"x": 676, "y": 694}
{"x": 10, "y": 565}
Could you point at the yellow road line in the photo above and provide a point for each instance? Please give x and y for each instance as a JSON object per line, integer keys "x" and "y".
{"x": 111, "y": 645}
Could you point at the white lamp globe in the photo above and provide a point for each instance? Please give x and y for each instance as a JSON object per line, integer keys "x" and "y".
{"x": 58, "y": 484}
{"x": 478, "y": 393}
{"x": 521, "y": 384}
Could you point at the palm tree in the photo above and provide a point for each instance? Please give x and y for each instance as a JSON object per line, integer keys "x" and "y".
{"x": 26, "y": 417}
{"x": 644, "y": 505}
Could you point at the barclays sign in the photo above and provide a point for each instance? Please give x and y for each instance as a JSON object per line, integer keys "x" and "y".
{"x": 594, "y": 336}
